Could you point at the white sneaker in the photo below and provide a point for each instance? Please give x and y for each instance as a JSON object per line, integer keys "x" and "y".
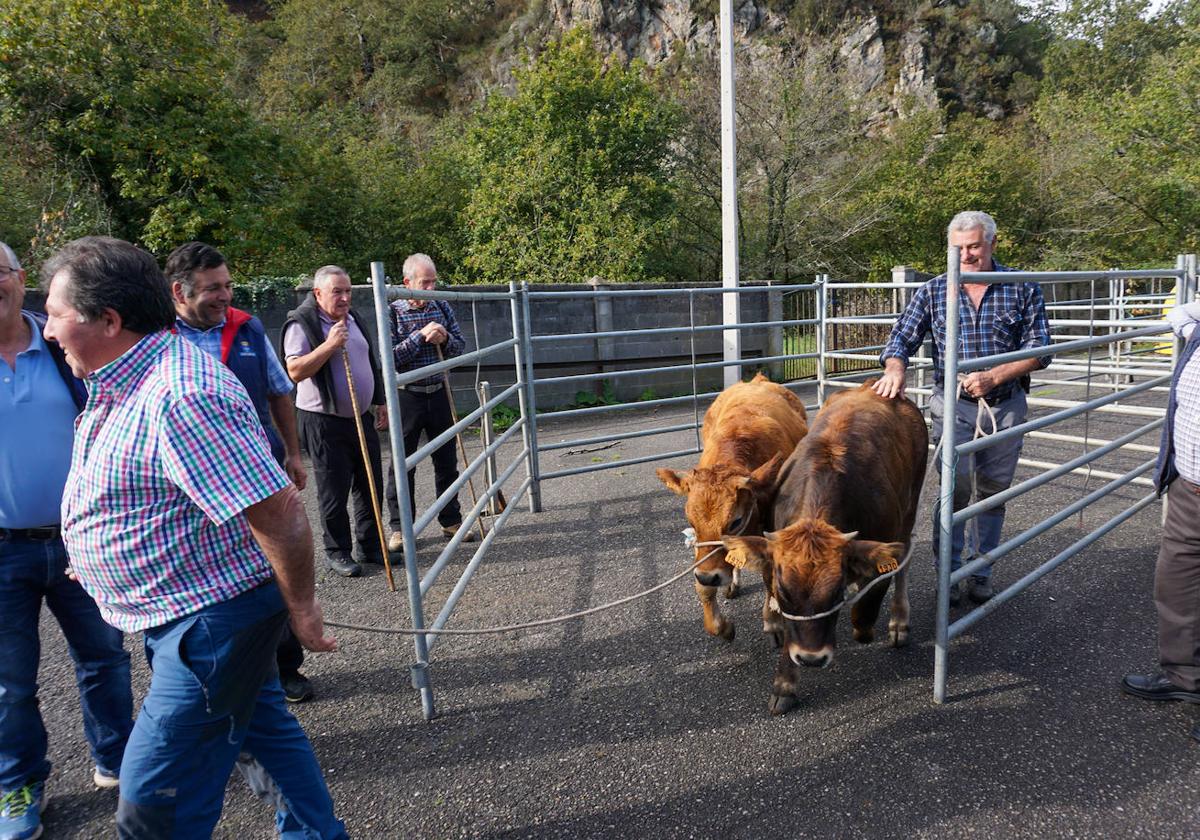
{"x": 105, "y": 780}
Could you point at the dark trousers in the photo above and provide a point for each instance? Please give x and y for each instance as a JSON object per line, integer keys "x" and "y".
{"x": 332, "y": 444}
{"x": 1177, "y": 588}
{"x": 427, "y": 414}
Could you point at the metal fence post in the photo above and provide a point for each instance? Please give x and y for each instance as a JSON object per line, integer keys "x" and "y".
{"x": 420, "y": 668}
{"x": 946, "y": 510}
{"x": 488, "y": 433}
{"x": 822, "y": 300}
{"x": 523, "y": 359}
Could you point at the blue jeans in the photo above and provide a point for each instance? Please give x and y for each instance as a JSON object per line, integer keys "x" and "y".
{"x": 214, "y": 693}
{"x": 993, "y": 469}
{"x": 32, "y": 571}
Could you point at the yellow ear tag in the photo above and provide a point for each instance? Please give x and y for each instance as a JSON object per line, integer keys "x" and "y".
{"x": 735, "y": 557}
{"x": 888, "y": 565}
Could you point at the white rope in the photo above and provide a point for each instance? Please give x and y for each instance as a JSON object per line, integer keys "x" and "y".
{"x": 483, "y": 631}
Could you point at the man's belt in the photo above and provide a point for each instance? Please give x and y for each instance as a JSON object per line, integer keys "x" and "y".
{"x": 424, "y": 389}
{"x": 993, "y": 397}
{"x": 46, "y": 533}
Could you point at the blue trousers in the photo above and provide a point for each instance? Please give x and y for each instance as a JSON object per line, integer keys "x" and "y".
{"x": 32, "y": 571}
{"x": 215, "y": 692}
{"x": 990, "y": 469}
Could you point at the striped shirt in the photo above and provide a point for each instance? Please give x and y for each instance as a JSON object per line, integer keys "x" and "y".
{"x": 1185, "y": 429}
{"x": 168, "y": 453}
{"x": 410, "y": 349}
{"x": 1011, "y": 316}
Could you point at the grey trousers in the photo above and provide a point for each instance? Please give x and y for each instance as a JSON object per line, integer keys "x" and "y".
{"x": 1177, "y": 588}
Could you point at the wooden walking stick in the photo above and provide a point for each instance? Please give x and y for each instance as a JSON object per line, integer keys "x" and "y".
{"x": 362, "y": 442}
{"x": 501, "y": 503}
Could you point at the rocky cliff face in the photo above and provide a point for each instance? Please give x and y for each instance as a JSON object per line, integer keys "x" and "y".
{"x": 892, "y": 75}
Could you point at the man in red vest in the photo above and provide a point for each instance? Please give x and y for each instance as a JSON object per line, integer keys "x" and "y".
{"x": 203, "y": 291}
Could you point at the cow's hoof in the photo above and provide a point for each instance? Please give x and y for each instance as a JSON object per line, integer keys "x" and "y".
{"x": 781, "y": 704}
{"x": 732, "y": 590}
{"x": 726, "y": 631}
{"x": 864, "y": 636}
{"x": 898, "y": 636}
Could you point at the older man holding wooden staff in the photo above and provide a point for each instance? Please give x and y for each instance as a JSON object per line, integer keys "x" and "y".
{"x": 316, "y": 335}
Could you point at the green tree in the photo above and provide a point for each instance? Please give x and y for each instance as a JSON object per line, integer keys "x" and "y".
{"x": 132, "y": 100}
{"x": 569, "y": 175}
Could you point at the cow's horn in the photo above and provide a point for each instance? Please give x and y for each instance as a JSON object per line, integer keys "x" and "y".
{"x": 849, "y": 535}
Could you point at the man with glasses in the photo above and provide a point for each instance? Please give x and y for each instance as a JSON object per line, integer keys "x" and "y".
{"x": 321, "y": 338}
{"x": 39, "y": 400}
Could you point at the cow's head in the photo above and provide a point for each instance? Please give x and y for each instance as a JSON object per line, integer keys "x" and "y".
{"x": 723, "y": 500}
{"x": 808, "y": 567}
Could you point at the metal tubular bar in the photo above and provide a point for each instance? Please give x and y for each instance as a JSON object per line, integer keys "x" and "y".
{"x": 1129, "y": 410}
{"x": 526, "y": 396}
{"x": 622, "y": 463}
{"x": 450, "y": 364}
{"x": 822, "y": 339}
{"x": 1062, "y": 469}
{"x": 1070, "y": 276}
{"x": 462, "y": 425}
{"x": 616, "y": 374}
{"x": 600, "y": 409}
{"x": 1129, "y": 447}
{"x": 435, "y": 569}
{"x": 1050, "y": 419}
{"x": 420, "y": 668}
{"x": 423, "y": 521}
{"x": 1010, "y": 592}
{"x": 683, "y": 427}
{"x": 393, "y": 292}
{"x": 469, "y": 572}
{"x": 885, "y": 320}
{"x": 1078, "y": 344}
{"x": 946, "y": 489}
{"x": 488, "y": 432}
{"x": 703, "y": 290}
{"x": 560, "y": 337}
{"x": 894, "y": 285}
{"x": 1086, "y": 471}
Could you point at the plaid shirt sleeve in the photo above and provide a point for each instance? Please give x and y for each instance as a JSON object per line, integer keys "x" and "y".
{"x": 406, "y": 338}
{"x": 1036, "y": 326}
{"x": 213, "y": 449}
{"x": 455, "y": 343}
{"x": 910, "y": 330}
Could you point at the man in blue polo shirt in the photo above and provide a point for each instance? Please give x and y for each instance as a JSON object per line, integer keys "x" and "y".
{"x": 203, "y": 293}
{"x": 39, "y": 400}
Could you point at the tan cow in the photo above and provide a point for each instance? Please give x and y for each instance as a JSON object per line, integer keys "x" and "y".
{"x": 748, "y": 431}
{"x": 844, "y": 509}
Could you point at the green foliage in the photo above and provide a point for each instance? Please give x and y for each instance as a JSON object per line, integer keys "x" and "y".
{"x": 647, "y": 395}
{"x": 256, "y": 292}
{"x": 587, "y": 399}
{"x": 503, "y": 416}
{"x": 569, "y": 175}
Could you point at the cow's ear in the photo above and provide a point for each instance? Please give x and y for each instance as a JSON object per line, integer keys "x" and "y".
{"x": 747, "y": 552}
{"x": 765, "y": 476}
{"x": 868, "y": 558}
{"x": 676, "y": 482}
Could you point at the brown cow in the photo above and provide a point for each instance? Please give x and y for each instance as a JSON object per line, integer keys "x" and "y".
{"x": 846, "y": 504}
{"x": 748, "y": 431}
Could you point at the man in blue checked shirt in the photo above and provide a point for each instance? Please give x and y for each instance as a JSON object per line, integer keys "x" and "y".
{"x": 181, "y": 525}
{"x": 202, "y": 289}
{"x": 993, "y": 318}
{"x": 419, "y": 328}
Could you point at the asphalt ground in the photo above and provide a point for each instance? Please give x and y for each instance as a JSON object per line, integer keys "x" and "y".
{"x": 634, "y": 723}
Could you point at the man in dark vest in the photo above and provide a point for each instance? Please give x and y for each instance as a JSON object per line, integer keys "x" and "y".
{"x": 203, "y": 291}
{"x": 320, "y": 339}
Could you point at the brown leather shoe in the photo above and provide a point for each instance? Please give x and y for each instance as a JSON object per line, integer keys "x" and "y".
{"x": 469, "y": 537}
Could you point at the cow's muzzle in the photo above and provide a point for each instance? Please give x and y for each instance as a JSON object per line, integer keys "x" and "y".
{"x": 715, "y": 579}
{"x": 812, "y": 659}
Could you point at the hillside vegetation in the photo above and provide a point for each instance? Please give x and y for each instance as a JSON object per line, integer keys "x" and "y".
{"x": 557, "y": 140}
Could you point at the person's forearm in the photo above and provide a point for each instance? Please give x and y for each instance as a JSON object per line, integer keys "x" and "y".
{"x": 280, "y": 526}
{"x": 284, "y": 416}
{"x": 303, "y": 367}
{"x": 1013, "y": 370}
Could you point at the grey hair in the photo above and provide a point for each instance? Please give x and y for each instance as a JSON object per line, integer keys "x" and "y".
{"x": 414, "y": 261}
{"x": 971, "y": 219}
{"x": 10, "y": 255}
{"x": 329, "y": 271}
